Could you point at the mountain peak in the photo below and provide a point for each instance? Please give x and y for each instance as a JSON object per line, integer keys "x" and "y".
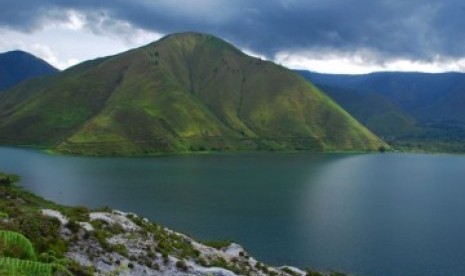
{"x": 192, "y": 39}
{"x": 189, "y": 35}
{"x": 17, "y": 65}
{"x": 17, "y": 52}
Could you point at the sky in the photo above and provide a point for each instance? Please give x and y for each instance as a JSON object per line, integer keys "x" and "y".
{"x": 329, "y": 36}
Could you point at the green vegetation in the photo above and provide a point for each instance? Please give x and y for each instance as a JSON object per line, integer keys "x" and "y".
{"x": 184, "y": 93}
{"x": 18, "y": 257}
{"x": 9, "y": 266}
{"x": 14, "y": 244}
{"x": 30, "y": 243}
{"x": 218, "y": 244}
{"x": 376, "y": 112}
{"x": 8, "y": 179}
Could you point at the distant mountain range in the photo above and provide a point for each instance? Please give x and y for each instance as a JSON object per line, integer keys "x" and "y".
{"x": 16, "y": 66}
{"x": 186, "y": 92}
{"x": 409, "y": 110}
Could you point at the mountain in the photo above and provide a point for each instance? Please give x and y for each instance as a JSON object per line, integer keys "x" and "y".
{"x": 16, "y": 66}
{"x": 185, "y": 92}
{"x": 426, "y": 110}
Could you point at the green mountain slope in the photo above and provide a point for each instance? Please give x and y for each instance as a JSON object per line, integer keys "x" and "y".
{"x": 376, "y": 112}
{"x": 185, "y": 92}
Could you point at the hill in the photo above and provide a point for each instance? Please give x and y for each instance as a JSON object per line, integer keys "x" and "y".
{"x": 426, "y": 110}
{"x": 185, "y": 92}
{"x": 16, "y": 66}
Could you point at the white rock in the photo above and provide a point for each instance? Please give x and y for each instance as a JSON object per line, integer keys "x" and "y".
{"x": 217, "y": 271}
{"x": 294, "y": 269}
{"x": 87, "y": 226}
{"x": 233, "y": 250}
{"x": 115, "y": 217}
{"x": 55, "y": 214}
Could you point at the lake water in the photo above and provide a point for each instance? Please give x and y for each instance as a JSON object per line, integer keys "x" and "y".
{"x": 368, "y": 214}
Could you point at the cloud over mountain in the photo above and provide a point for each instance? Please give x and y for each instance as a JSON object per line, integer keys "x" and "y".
{"x": 419, "y": 30}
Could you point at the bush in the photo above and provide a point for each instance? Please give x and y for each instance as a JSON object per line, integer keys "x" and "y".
{"x": 73, "y": 226}
{"x": 5, "y": 181}
{"x": 311, "y": 272}
{"x": 203, "y": 262}
{"x": 8, "y": 179}
{"x": 79, "y": 213}
{"x": 181, "y": 265}
{"x": 218, "y": 244}
{"x": 120, "y": 249}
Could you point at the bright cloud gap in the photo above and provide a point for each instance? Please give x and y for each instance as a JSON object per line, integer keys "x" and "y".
{"x": 346, "y": 63}
{"x": 66, "y": 42}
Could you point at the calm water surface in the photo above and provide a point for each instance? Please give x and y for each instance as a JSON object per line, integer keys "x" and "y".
{"x": 368, "y": 214}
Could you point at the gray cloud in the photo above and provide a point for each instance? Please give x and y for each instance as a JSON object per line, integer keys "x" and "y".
{"x": 415, "y": 29}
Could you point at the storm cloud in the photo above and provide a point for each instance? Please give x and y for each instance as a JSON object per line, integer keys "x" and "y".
{"x": 386, "y": 29}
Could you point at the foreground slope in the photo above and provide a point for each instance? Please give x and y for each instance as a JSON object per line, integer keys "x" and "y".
{"x": 39, "y": 237}
{"x": 16, "y": 66}
{"x": 185, "y": 92}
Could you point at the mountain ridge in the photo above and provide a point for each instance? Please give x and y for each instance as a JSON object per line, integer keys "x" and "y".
{"x": 428, "y": 107}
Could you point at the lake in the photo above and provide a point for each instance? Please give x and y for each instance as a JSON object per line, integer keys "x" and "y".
{"x": 368, "y": 214}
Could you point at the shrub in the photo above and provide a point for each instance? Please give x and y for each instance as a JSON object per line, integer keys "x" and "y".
{"x": 311, "y": 272}
{"x": 73, "y": 226}
{"x": 203, "y": 262}
{"x": 79, "y": 213}
{"x": 218, "y": 244}
{"x": 181, "y": 265}
{"x": 5, "y": 181}
{"x": 120, "y": 249}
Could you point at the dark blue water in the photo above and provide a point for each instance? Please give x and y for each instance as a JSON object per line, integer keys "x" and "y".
{"x": 368, "y": 214}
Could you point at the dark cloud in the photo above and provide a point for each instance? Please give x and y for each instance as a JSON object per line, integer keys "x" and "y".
{"x": 414, "y": 29}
